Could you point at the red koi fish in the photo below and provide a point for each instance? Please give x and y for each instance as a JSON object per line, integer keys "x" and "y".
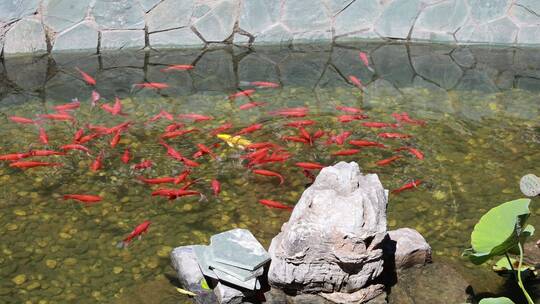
{"x": 357, "y": 82}
{"x": 171, "y": 151}
{"x": 417, "y": 153}
{"x": 143, "y": 165}
{"x": 365, "y": 143}
{"x": 291, "y": 112}
{"x": 174, "y": 126}
{"x": 75, "y": 147}
{"x": 295, "y": 139}
{"x": 189, "y": 163}
{"x": 205, "y": 150}
{"x": 116, "y": 138}
{"x": 275, "y": 204}
{"x": 346, "y": 152}
{"x": 22, "y": 120}
{"x": 14, "y": 156}
{"x": 349, "y": 118}
{"x": 33, "y": 164}
{"x": 318, "y": 134}
{"x": 340, "y": 138}
{"x": 137, "y": 232}
{"x": 387, "y": 161}
{"x": 42, "y": 153}
{"x": 393, "y": 135}
{"x": 260, "y": 145}
{"x": 43, "y": 137}
{"x": 363, "y": 57}
{"x": 162, "y": 114}
{"x": 244, "y": 93}
{"x": 251, "y": 104}
{"x": 68, "y": 106}
{"x": 195, "y": 117}
{"x": 157, "y": 180}
{"x": 305, "y": 134}
{"x": 83, "y": 198}
{"x": 299, "y": 123}
{"x": 309, "y": 166}
{"x": 264, "y": 84}
{"x": 410, "y": 185}
{"x": 97, "y": 164}
{"x": 374, "y": 124}
{"x": 352, "y": 110}
{"x": 78, "y": 135}
{"x": 94, "y": 99}
{"x": 114, "y": 110}
{"x": 120, "y": 127}
{"x": 269, "y": 173}
{"x": 57, "y": 116}
{"x": 87, "y": 78}
{"x": 216, "y": 187}
{"x": 152, "y": 85}
{"x": 249, "y": 129}
{"x": 177, "y": 133}
{"x": 224, "y": 127}
{"x": 126, "y": 156}
{"x": 88, "y": 138}
{"x": 178, "y": 67}
{"x": 404, "y": 117}
{"x": 182, "y": 177}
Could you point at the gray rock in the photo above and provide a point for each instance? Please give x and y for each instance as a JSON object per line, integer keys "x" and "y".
{"x": 62, "y": 14}
{"x": 392, "y": 63}
{"x": 26, "y": 36}
{"x": 486, "y": 10}
{"x": 463, "y": 57}
{"x": 84, "y": 36}
{"x": 523, "y": 15}
{"x": 187, "y": 269}
{"x": 529, "y": 35}
{"x": 11, "y": 10}
{"x": 277, "y": 34}
{"x": 217, "y": 25}
{"x": 337, "y": 6}
{"x": 397, "y": 19}
{"x": 118, "y": 14}
{"x": 306, "y": 15}
{"x": 258, "y": 15}
{"x": 122, "y": 39}
{"x": 215, "y": 72}
{"x": 228, "y": 295}
{"x": 408, "y": 247}
{"x": 332, "y": 242}
{"x": 178, "y": 38}
{"x": 435, "y": 283}
{"x": 27, "y": 72}
{"x": 169, "y": 14}
{"x": 356, "y": 17}
{"x": 500, "y": 31}
{"x": 360, "y": 296}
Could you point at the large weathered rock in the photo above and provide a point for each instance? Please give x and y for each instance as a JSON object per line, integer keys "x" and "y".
{"x": 332, "y": 242}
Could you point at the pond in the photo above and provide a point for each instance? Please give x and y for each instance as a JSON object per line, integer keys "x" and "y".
{"x": 481, "y": 134}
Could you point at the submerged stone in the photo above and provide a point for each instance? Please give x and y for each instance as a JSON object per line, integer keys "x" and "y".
{"x": 122, "y": 39}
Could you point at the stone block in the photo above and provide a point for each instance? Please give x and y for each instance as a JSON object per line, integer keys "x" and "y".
{"x": 397, "y": 18}
{"x": 483, "y": 11}
{"x": 529, "y": 35}
{"x": 358, "y": 16}
{"x": 523, "y": 16}
{"x": 12, "y": 10}
{"x": 255, "y": 67}
{"x": 84, "y": 36}
{"x": 178, "y": 38}
{"x": 63, "y": 87}
{"x": 215, "y": 72}
{"x": 443, "y": 17}
{"x": 392, "y": 63}
{"x": 277, "y": 34}
{"x": 147, "y": 5}
{"x": 306, "y": 15}
{"x": 337, "y": 6}
{"x": 463, "y": 57}
{"x": 256, "y": 16}
{"x": 169, "y": 14}
{"x": 440, "y": 69}
{"x": 501, "y": 31}
{"x": 408, "y": 248}
{"x": 26, "y": 36}
{"x": 532, "y": 5}
{"x": 218, "y": 24}
{"x": 122, "y": 39}
{"x": 118, "y": 14}
{"x": 27, "y": 72}
{"x": 62, "y": 14}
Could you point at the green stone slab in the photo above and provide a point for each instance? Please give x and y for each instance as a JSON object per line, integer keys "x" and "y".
{"x": 251, "y": 284}
{"x": 239, "y": 273}
{"x": 239, "y": 248}
{"x": 201, "y": 254}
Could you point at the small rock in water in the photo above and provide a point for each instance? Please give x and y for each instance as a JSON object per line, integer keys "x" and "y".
{"x": 20, "y": 279}
{"x": 530, "y": 185}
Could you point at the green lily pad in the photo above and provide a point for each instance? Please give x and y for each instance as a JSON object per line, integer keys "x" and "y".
{"x": 499, "y": 230}
{"x": 501, "y": 300}
{"x": 502, "y": 265}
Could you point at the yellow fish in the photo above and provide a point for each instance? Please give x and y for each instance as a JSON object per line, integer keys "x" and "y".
{"x": 234, "y": 141}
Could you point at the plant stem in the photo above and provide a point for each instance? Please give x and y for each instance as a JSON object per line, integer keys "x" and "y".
{"x": 511, "y": 266}
{"x": 520, "y": 283}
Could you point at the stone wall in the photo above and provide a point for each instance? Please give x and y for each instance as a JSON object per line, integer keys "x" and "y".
{"x": 41, "y": 26}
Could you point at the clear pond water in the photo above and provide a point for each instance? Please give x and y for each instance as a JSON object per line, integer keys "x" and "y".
{"x": 482, "y": 133}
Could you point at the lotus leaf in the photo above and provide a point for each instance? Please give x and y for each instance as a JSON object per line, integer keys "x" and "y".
{"x": 501, "y": 300}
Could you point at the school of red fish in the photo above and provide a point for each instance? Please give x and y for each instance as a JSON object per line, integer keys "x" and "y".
{"x": 255, "y": 155}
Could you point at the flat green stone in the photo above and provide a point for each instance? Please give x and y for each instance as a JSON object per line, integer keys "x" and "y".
{"x": 238, "y": 247}
{"x": 239, "y": 273}
{"x": 202, "y": 259}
